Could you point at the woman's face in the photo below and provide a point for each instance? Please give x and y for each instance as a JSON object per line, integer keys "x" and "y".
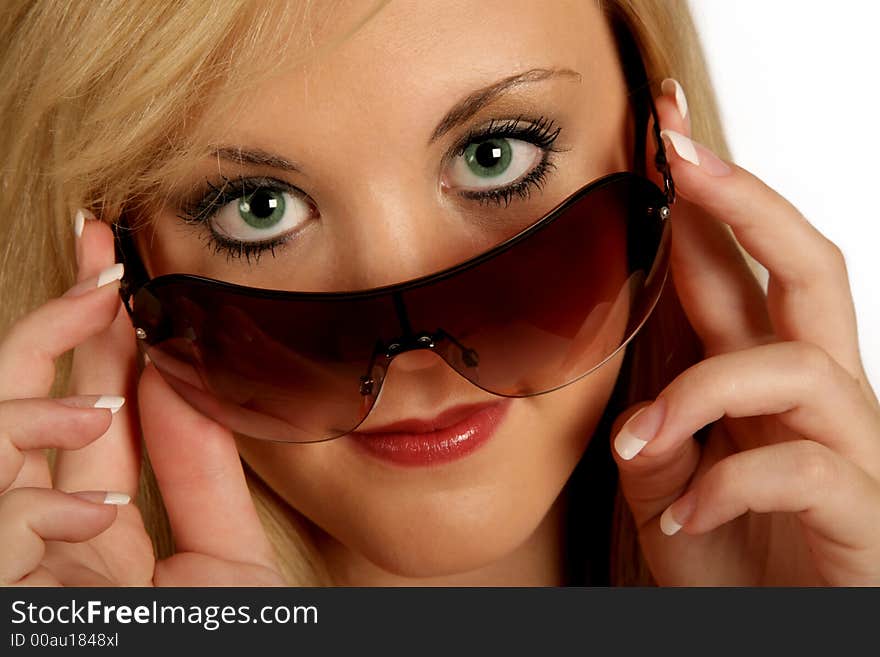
{"x": 380, "y": 193}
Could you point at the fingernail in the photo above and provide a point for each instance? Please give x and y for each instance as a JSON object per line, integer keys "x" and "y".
{"x": 79, "y": 221}
{"x": 640, "y": 429}
{"x": 113, "y": 402}
{"x": 103, "y": 496}
{"x": 682, "y": 145}
{"x": 677, "y": 513}
{"x": 112, "y": 273}
{"x": 671, "y": 87}
{"x": 695, "y": 153}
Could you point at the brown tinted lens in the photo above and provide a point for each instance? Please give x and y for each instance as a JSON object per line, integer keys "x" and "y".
{"x": 559, "y": 303}
{"x": 280, "y": 370}
{"x": 530, "y": 319}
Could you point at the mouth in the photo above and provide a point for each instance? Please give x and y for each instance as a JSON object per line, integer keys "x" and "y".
{"x": 452, "y": 435}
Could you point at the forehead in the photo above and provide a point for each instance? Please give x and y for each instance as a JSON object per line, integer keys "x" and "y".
{"x": 413, "y": 59}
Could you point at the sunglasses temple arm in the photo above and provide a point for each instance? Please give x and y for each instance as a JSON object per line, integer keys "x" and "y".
{"x": 660, "y": 160}
{"x": 135, "y": 275}
{"x": 642, "y": 89}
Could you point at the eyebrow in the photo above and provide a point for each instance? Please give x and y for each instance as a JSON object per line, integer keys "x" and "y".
{"x": 460, "y": 112}
{"x": 476, "y": 100}
{"x": 254, "y": 156}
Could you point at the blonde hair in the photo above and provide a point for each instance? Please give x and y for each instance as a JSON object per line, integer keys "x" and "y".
{"x": 103, "y": 107}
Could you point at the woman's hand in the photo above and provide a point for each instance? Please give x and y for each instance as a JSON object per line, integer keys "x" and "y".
{"x": 63, "y": 528}
{"x": 786, "y": 488}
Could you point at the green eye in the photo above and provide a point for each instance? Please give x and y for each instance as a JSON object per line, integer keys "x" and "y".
{"x": 488, "y": 158}
{"x": 262, "y": 209}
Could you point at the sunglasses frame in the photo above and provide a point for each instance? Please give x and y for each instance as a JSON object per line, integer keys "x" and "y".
{"x": 136, "y": 276}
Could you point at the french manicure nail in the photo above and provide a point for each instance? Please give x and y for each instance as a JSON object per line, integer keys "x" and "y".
{"x": 112, "y": 273}
{"x": 639, "y": 429}
{"x": 671, "y": 87}
{"x": 113, "y": 402}
{"x": 678, "y": 513}
{"x": 695, "y": 153}
{"x": 79, "y": 223}
{"x": 114, "y": 497}
{"x": 103, "y": 497}
{"x": 682, "y": 145}
{"x": 626, "y": 443}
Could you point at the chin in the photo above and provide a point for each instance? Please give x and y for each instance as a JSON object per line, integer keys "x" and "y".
{"x": 434, "y": 540}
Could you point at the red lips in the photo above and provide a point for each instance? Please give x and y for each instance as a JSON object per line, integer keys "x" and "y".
{"x": 417, "y": 425}
{"x": 451, "y": 435}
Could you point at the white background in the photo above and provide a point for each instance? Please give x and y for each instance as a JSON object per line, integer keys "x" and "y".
{"x": 797, "y": 84}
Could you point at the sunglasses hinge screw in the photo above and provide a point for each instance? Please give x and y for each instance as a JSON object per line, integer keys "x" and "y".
{"x": 424, "y": 341}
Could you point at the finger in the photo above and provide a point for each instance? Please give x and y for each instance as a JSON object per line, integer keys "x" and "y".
{"x": 201, "y": 478}
{"x": 41, "y": 576}
{"x": 809, "y": 297}
{"x": 802, "y": 386}
{"x": 188, "y": 569}
{"x": 105, "y": 363}
{"x": 94, "y": 247}
{"x": 34, "y": 342}
{"x": 31, "y": 516}
{"x": 28, "y": 424}
{"x": 720, "y": 294}
{"x": 650, "y": 482}
{"x": 33, "y": 471}
{"x": 831, "y": 495}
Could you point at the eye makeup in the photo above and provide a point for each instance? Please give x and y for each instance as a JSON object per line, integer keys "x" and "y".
{"x": 199, "y": 214}
{"x": 539, "y": 131}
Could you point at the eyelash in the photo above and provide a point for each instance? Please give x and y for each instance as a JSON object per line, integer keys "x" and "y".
{"x": 541, "y": 131}
{"x": 199, "y": 212}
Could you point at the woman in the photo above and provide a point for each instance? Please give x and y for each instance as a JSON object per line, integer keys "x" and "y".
{"x": 407, "y": 138}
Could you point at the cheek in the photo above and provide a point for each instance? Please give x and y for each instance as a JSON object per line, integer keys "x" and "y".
{"x": 421, "y": 522}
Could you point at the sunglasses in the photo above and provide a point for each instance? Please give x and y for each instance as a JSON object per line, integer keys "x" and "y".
{"x": 530, "y": 315}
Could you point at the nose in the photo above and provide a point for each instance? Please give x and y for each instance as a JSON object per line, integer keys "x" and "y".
{"x": 416, "y": 359}
{"x": 393, "y": 233}
{"x": 416, "y": 384}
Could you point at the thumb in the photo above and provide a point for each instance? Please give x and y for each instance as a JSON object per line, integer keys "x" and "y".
{"x": 201, "y": 478}
{"x": 104, "y": 364}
